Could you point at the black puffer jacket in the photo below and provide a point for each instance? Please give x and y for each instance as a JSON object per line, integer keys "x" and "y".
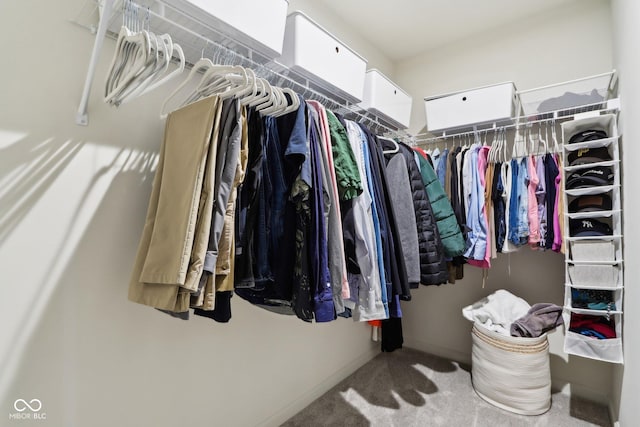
{"x": 433, "y": 265}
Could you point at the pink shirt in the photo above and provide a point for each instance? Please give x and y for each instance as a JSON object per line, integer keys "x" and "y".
{"x": 326, "y": 139}
{"x": 483, "y": 154}
{"x": 534, "y": 220}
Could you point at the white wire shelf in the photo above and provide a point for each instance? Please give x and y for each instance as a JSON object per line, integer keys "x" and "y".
{"x": 198, "y": 40}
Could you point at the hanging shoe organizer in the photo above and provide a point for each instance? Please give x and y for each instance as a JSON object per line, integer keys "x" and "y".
{"x": 593, "y": 223}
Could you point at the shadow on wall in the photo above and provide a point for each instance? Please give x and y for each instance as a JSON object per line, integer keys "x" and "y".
{"x": 30, "y": 169}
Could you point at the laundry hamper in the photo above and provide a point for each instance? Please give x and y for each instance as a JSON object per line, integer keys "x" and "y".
{"x": 511, "y": 373}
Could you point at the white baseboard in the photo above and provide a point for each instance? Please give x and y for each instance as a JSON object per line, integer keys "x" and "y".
{"x": 613, "y": 416}
{"x": 289, "y": 410}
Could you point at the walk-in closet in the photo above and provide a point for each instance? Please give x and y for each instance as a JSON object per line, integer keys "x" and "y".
{"x": 319, "y": 213}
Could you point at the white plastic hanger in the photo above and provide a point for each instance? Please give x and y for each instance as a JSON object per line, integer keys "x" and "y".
{"x": 176, "y": 49}
{"x": 203, "y": 63}
{"x": 253, "y": 81}
{"x": 395, "y": 149}
{"x": 136, "y": 59}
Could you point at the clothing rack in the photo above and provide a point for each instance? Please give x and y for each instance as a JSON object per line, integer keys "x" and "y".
{"x": 527, "y": 121}
{"x": 199, "y": 40}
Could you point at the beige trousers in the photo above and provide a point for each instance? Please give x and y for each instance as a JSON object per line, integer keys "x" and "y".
{"x": 224, "y": 275}
{"x": 174, "y": 240}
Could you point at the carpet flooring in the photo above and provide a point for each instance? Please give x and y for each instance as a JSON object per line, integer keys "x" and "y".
{"x": 409, "y": 388}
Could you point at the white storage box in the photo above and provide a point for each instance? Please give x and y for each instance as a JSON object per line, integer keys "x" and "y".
{"x": 590, "y": 275}
{"x": 315, "y": 53}
{"x": 257, "y": 24}
{"x": 592, "y": 250}
{"x": 489, "y": 104}
{"x": 511, "y": 373}
{"x": 384, "y": 98}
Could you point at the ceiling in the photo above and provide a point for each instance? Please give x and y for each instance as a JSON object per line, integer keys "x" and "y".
{"x": 400, "y": 29}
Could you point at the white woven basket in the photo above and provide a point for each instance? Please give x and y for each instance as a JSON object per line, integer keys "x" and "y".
{"x": 511, "y": 373}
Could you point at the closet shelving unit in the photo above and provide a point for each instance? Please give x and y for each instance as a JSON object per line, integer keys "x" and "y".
{"x": 531, "y": 110}
{"x": 199, "y": 39}
{"x": 594, "y": 263}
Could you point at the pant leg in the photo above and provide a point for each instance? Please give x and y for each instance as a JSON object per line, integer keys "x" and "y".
{"x": 165, "y": 252}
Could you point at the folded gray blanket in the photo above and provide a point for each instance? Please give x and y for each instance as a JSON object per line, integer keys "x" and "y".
{"x": 540, "y": 318}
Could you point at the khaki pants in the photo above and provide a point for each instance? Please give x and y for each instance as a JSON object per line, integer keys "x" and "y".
{"x": 223, "y": 280}
{"x": 174, "y": 240}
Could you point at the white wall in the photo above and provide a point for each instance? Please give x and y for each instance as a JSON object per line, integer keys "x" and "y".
{"x": 72, "y": 205}
{"x": 626, "y": 387}
{"x": 571, "y": 42}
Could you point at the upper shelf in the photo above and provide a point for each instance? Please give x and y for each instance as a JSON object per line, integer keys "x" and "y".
{"x": 569, "y": 97}
{"x": 202, "y": 39}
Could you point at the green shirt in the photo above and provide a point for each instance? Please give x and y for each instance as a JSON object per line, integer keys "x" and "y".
{"x": 344, "y": 161}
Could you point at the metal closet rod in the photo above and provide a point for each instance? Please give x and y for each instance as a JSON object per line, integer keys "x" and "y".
{"x": 527, "y": 121}
{"x": 275, "y": 77}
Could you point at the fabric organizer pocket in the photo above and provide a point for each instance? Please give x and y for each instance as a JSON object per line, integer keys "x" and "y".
{"x": 606, "y": 350}
{"x": 594, "y": 301}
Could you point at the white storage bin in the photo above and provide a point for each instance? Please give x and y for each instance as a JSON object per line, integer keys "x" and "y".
{"x": 590, "y": 275}
{"x": 511, "y": 373}
{"x": 257, "y": 24}
{"x": 384, "y": 98}
{"x": 490, "y": 104}
{"x": 315, "y": 53}
{"x": 592, "y": 250}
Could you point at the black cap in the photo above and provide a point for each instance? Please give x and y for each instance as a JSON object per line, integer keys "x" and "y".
{"x": 588, "y": 135}
{"x": 591, "y": 203}
{"x": 588, "y": 227}
{"x": 588, "y": 155}
{"x": 591, "y": 177}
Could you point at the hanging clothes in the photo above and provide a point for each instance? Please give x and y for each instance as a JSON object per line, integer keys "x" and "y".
{"x": 337, "y": 263}
{"x": 216, "y": 293}
{"x": 402, "y": 205}
{"x": 172, "y": 248}
{"x": 365, "y": 286}
{"x": 433, "y": 265}
{"x": 447, "y": 224}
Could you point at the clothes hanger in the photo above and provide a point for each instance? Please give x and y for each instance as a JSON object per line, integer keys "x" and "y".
{"x": 293, "y": 105}
{"x": 556, "y": 146}
{"x": 245, "y": 98}
{"x": 161, "y": 47}
{"x": 395, "y": 149}
{"x": 131, "y": 69}
{"x": 541, "y": 140}
{"x": 279, "y": 105}
{"x": 264, "y": 92}
{"x": 203, "y": 63}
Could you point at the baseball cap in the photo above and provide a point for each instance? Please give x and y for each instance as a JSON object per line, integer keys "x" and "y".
{"x": 588, "y": 155}
{"x": 587, "y": 227}
{"x": 591, "y": 177}
{"x": 590, "y": 203}
{"x": 588, "y": 135}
